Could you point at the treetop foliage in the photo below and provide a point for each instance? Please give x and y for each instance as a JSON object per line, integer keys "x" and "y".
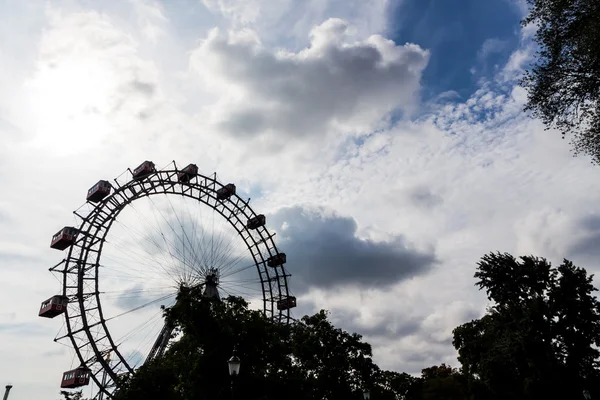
{"x": 539, "y": 339}
{"x": 564, "y": 82}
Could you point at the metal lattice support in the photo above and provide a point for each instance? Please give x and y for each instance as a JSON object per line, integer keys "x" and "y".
{"x": 85, "y": 323}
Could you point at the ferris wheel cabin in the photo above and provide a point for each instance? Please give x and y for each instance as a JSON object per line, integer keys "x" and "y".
{"x": 226, "y": 191}
{"x": 256, "y": 222}
{"x": 76, "y": 378}
{"x": 286, "y": 303}
{"x": 277, "y": 259}
{"x": 64, "y": 238}
{"x": 143, "y": 170}
{"x": 54, "y": 306}
{"x": 187, "y": 173}
{"x": 99, "y": 191}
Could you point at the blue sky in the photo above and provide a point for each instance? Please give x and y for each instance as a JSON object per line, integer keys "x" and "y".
{"x": 455, "y": 32}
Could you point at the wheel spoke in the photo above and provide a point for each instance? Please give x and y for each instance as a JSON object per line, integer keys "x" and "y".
{"x": 150, "y": 246}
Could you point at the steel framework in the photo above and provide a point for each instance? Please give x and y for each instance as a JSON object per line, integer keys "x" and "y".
{"x": 86, "y": 326}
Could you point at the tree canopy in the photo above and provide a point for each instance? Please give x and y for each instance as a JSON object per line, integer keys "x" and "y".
{"x": 310, "y": 359}
{"x": 76, "y": 395}
{"x": 539, "y": 338}
{"x": 564, "y": 82}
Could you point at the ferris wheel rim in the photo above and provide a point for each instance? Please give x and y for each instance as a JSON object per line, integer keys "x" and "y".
{"x": 274, "y": 283}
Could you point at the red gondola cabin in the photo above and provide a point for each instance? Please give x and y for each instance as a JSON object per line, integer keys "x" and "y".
{"x": 287, "y": 303}
{"x": 187, "y": 173}
{"x": 277, "y": 259}
{"x": 143, "y": 170}
{"x": 64, "y": 238}
{"x": 54, "y": 306}
{"x": 99, "y": 191}
{"x": 76, "y": 378}
{"x": 226, "y": 191}
{"x": 256, "y": 222}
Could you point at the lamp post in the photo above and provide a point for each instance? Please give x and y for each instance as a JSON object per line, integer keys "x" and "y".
{"x": 8, "y": 387}
{"x": 586, "y": 395}
{"x": 234, "y": 370}
{"x": 366, "y": 395}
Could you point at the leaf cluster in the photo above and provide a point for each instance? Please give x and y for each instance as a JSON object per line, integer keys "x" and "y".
{"x": 563, "y": 83}
{"x": 309, "y": 359}
{"x": 538, "y": 339}
{"x": 541, "y": 336}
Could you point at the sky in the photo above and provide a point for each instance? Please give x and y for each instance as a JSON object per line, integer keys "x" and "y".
{"x": 385, "y": 141}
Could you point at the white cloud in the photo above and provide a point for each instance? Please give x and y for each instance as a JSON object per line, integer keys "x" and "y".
{"x": 240, "y": 12}
{"x": 490, "y": 169}
{"x": 335, "y": 83}
{"x": 151, "y": 19}
{"x": 285, "y": 22}
{"x": 522, "y": 6}
{"x": 521, "y": 57}
{"x": 87, "y": 75}
{"x": 558, "y": 234}
{"x": 491, "y": 46}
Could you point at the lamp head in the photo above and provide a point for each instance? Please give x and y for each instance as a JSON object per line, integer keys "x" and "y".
{"x": 586, "y": 395}
{"x": 234, "y": 364}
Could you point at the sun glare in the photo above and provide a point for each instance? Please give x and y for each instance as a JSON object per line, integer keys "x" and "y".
{"x": 69, "y": 103}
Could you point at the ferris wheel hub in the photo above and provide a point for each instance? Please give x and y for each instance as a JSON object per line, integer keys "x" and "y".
{"x": 211, "y": 281}
{"x": 80, "y": 300}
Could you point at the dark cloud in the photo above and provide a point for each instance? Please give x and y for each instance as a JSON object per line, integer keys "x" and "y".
{"x": 391, "y": 329}
{"x": 337, "y": 78}
{"x": 425, "y": 358}
{"x": 136, "y": 296}
{"x": 588, "y": 246}
{"x": 323, "y": 251}
{"x": 421, "y": 196}
{"x": 392, "y": 326}
{"x": 249, "y": 122}
{"x": 305, "y": 307}
{"x": 55, "y": 353}
{"x": 144, "y": 88}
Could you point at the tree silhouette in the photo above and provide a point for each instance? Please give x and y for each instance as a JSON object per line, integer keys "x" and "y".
{"x": 564, "y": 82}
{"x": 538, "y": 338}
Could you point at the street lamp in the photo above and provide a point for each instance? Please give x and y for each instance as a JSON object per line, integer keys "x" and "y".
{"x": 234, "y": 364}
{"x": 586, "y": 395}
{"x": 366, "y": 395}
{"x": 234, "y": 369}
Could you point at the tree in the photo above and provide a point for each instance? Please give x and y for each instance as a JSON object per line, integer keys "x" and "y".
{"x": 564, "y": 83}
{"x": 537, "y": 339}
{"x": 390, "y": 385}
{"x": 310, "y": 359}
{"x": 195, "y": 366}
{"x": 443, "y": 382}
{"x": 435, "y": 383}
{"x": 334, "y": 363}
{"x": 78, "y": 395}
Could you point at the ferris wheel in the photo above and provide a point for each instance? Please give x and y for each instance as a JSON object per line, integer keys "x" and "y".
{"x": 139, "y": 241}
